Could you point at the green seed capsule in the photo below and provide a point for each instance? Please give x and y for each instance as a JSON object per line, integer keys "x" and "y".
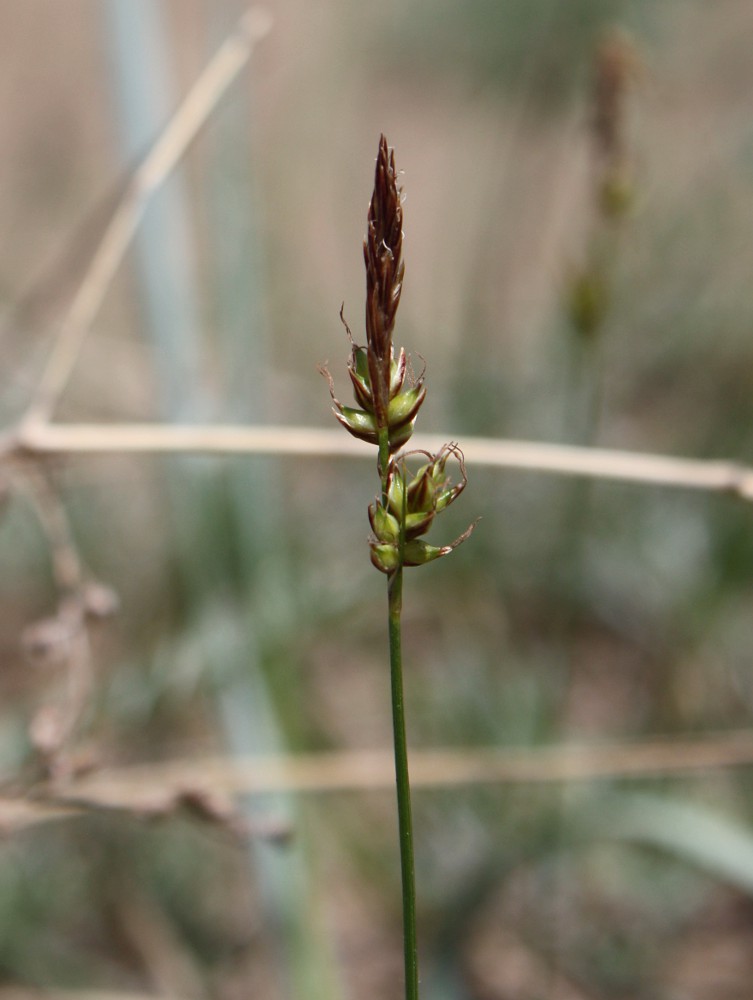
{"x": 383, "y": 524}
{"x": 418, "y": 552}
{"x": 358, "y": 369}
{"x": 446, "y": 497}
{"x": 404, "y": 407}
{"x": 395, "y": 490}
{"x": 360, "y": 424}
{"x": 384, "y": 556}
{"x": 400, "y": 436}
{"x": 418, "y": 524}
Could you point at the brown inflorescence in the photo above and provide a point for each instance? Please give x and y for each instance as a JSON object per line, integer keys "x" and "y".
{"x": 388, "y": 396}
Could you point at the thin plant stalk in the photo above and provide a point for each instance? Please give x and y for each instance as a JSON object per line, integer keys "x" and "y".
{"x": 402, "y": 775}
{"x": 384, "y": 461}
{"x": 400, "y": 740}
{"x": 388, "y": 396}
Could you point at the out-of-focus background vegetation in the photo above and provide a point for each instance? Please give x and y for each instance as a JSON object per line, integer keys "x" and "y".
{"x": 251, "y": 620}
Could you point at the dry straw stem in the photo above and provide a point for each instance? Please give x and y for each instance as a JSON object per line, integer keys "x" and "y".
{"x": 21, "y": 993}
{"x": 66, "y": 634}
{"x": 67, "y": 569}
{"x": 42, "y": 440}
{"x": 159, "y": 162}
{"x": 146, "y": 790}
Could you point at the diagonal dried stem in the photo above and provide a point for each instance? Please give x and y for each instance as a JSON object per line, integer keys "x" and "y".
{"x": 159, "y": 162}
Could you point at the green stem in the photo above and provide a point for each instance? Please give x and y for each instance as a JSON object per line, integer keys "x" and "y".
{"x": 405, "y": 820}
{"x": 384, "y": 461}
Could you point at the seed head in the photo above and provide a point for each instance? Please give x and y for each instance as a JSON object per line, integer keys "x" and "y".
{"x": 388, "y": 397}
{"x": 616, "y": 67}
{"x": 386, "y": 392}
{"x": 382, "y": 251}
{"x": 414, "y": 501}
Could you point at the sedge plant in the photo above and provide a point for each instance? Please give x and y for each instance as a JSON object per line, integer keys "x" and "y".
{"x": 415, "y": 486}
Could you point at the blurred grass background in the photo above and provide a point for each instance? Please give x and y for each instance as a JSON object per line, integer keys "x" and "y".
{"x": 251, "y": 620}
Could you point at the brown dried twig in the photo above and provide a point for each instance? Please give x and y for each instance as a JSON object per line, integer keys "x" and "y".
{"x": 62, "y": 641}
{"x": 51, "y": 440}
{"x": 149, "y": 790}
{"x": 157, "y": 165}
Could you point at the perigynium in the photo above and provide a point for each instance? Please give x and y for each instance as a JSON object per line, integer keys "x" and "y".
{"x": 388, "y": 396}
